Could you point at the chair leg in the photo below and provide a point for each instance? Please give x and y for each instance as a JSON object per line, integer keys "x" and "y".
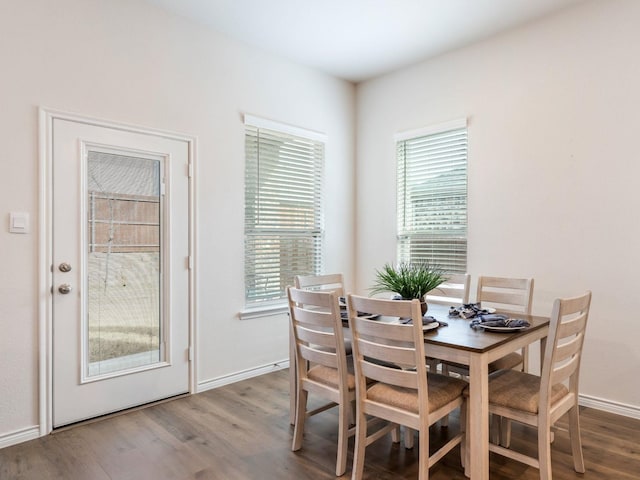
{"x": 293, "y": 382}
{"x": 423, "y": 454}
{"x": 525, "y": 359}
{"x": 432, "y": 363}
{"x": 505, "y": 432}
{"x": 301, "y": 414}
{"x": 544, "y": 450}
{"x": 360, "y": 445}
{"x": 467, "y": 440}
{"x": 343, "y": 437}
{"x": 463, "y": 428}
{"x": 408, "y": 438}
{"x": 576, "y": 442}
{"x": 494, "y": 429}
{"x": 352, "y": 412}
{"x": 395, "y": 434}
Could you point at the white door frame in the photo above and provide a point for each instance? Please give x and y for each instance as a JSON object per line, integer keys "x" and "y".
{"x": 45, "y": 261}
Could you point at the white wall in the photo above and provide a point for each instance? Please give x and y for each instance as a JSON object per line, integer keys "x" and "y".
{"x": 554, "y": 121}
{"x": 128, "y": 62}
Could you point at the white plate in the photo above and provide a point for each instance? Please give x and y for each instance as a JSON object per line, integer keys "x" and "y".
{"x": 502, "y": 329}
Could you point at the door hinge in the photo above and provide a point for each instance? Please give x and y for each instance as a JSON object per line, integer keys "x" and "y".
{"x": 162, "y": 188}
{"x": 190, "y": 262}
{"x": 190, "y": 170}
{"x": 190, "y": 354}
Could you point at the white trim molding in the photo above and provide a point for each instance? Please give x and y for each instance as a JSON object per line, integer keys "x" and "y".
{"x": 430, "y": 130}
{"x": 284, "y": 128}
{"x": 242, "y": 375}
{"x": 263, "y": 311}
{"x": 19, "y": 436}
{"x": 617, "y": 408}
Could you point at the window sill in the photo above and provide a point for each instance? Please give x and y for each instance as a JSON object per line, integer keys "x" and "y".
{"x": 263, "y": 311}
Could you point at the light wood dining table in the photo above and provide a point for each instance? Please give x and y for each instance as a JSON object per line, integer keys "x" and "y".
{"x": 476, "y": 348}
{"x": 460, "y": 343}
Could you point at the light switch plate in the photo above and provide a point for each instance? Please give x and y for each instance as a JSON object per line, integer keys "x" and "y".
{"x": 19, "y": 222}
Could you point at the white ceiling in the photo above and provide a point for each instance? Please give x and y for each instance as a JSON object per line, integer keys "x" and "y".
{"x": 361, "y": 39}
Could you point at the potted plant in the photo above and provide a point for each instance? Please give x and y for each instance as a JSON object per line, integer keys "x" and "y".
{"x": 409, "y": 280}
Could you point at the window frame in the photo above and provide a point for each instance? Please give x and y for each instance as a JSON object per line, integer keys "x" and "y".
{"x": 313, "y": 237}
{"x": 453, "y": 236}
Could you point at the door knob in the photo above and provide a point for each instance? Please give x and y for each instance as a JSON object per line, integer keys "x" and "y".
{"x": 64, "y": 267}
{"x": 64, "y": 288}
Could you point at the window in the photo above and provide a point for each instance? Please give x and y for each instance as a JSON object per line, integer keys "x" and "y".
{"x": 283, "y": 208}
{"x": 432, "y": 196}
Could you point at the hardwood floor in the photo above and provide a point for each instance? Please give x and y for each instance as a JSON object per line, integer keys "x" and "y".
{"x": 242, "y": 431}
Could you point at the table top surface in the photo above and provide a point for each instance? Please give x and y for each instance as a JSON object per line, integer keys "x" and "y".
{"x": 458, "y": 333}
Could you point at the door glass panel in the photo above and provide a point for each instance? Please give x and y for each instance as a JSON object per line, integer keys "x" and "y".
{"x": 123, "y": 328}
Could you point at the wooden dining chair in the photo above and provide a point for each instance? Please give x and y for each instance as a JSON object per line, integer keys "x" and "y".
{"x": 321, "y": 363}
{"x": 511, "y": 296}
{"x": 401, "y": 396}
{"x": 330, "y": 282}
{"x": 539, "y": 401}
{"x": 454, "y": 291}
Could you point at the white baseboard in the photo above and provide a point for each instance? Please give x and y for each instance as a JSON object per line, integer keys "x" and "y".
{"x": 242, "y": 375}
{"x": 19, "y": 436}
{"x": 632, "y": 411}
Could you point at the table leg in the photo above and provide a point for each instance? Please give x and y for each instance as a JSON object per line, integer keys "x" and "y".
{"x": 479, "y": 417}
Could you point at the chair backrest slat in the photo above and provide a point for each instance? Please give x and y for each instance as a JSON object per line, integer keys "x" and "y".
{"x": 317, "y": 318}
{"x": 331, "y": 282}
{"x": 391, "y": 353}
{"x": 393, "y": 376}
{"x": 568, "y": 349}
{"x": 384, "y": 307}
{"x": 391, "y": 332}
{"x": 572, "y": 326}
{"x": 315, "y": 337}
{"x": 321, "y": 357}
{"x": 560, "y": 373}
{"x": 506, "y": 293}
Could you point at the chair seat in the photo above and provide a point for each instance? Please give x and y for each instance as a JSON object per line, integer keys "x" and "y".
{"x": 520, "y": 390}
{"x": 329, "y": 376}
{"x": 442, "y": 390}
{"x": 506, "y": 363}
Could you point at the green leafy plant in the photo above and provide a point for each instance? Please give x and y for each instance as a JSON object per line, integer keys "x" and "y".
{"x": 409, "y": 280}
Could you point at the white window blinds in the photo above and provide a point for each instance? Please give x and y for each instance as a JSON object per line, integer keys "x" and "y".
{"x": 432, "y": 197}
{"x": 283, "y": 211}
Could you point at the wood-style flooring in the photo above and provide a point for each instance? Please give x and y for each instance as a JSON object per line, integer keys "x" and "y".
{"x": 242, "y": 431}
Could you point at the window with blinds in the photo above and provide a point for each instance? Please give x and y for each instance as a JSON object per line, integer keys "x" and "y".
{"x": 432, "y": 196}
{"x": 283, "y": 211}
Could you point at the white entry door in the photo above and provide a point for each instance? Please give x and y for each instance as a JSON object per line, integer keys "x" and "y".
{"x": 120, "y": 273}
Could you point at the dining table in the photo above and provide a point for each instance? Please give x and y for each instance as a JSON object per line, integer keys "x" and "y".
{"x": 476, "y": 347}
{"x": 457, "y": 342}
